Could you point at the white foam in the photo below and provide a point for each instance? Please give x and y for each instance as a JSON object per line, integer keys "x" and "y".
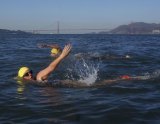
{"x": 152, "y": 75}
{"x": 83, "y": 71}
{"x": 88, "y": 73}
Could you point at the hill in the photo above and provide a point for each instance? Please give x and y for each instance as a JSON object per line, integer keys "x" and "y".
{"x": 137, "y": 28}
{"x": 11, "y": 32}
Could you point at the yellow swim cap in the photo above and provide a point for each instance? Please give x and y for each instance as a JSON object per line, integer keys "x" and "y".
{"x": 54, "y": 51}
{"x": 22, "y": 71}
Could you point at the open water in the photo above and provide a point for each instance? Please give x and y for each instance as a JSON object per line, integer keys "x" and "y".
{"x": 93, "y": 59}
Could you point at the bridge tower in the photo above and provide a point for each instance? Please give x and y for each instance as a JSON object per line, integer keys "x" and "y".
{"x": 58, "y": 27}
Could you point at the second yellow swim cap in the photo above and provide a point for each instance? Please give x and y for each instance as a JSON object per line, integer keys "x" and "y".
{"x": 22, "y": 71}
{"x": 54, "y": 51}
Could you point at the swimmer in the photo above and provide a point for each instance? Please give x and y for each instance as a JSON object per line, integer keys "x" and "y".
{"x": 26, "y": 73}
{"x": 97, "y": 56}
{"x": 55, "y": 49}
{"x": 121, "y": 78}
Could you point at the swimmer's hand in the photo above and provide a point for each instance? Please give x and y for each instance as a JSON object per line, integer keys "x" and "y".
{"x": 66, "y": 51}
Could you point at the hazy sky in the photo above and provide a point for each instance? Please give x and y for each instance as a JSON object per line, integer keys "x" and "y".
{"x": 44, "y": 14}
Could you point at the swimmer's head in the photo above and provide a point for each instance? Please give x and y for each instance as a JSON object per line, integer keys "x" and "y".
{"x": 55, "y": 52}
{"x": 25, "y": 72}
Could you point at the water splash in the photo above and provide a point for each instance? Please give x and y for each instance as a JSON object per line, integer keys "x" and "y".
{"x": 153, "y": 75}
{"x": 69, "y": 74}
{"x": 87, "y": 72}
{"x": 83, "y": 71}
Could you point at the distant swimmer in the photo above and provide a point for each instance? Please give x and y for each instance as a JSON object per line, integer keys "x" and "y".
{"x": 55, "y": 49}
{"x": 96, "y": 56}
{"x": 26, "y": 73}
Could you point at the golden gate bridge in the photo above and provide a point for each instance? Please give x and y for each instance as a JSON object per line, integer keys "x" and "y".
{"x": 65, "y": 30}
{"x": 69, "y": 30}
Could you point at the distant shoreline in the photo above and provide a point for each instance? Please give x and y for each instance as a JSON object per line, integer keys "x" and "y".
{"x": 136, "y": 28}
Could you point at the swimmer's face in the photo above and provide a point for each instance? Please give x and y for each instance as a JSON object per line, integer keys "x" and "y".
{"x": 28, "y": 75}
{"x": 55, "y": 55}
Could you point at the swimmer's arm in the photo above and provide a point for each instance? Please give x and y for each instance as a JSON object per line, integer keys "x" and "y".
{"x": 48, "y": 46}
{"x": 43, "y": 75}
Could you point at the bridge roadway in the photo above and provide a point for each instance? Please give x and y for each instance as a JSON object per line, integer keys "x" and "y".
{"x": 54, "y": 31}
